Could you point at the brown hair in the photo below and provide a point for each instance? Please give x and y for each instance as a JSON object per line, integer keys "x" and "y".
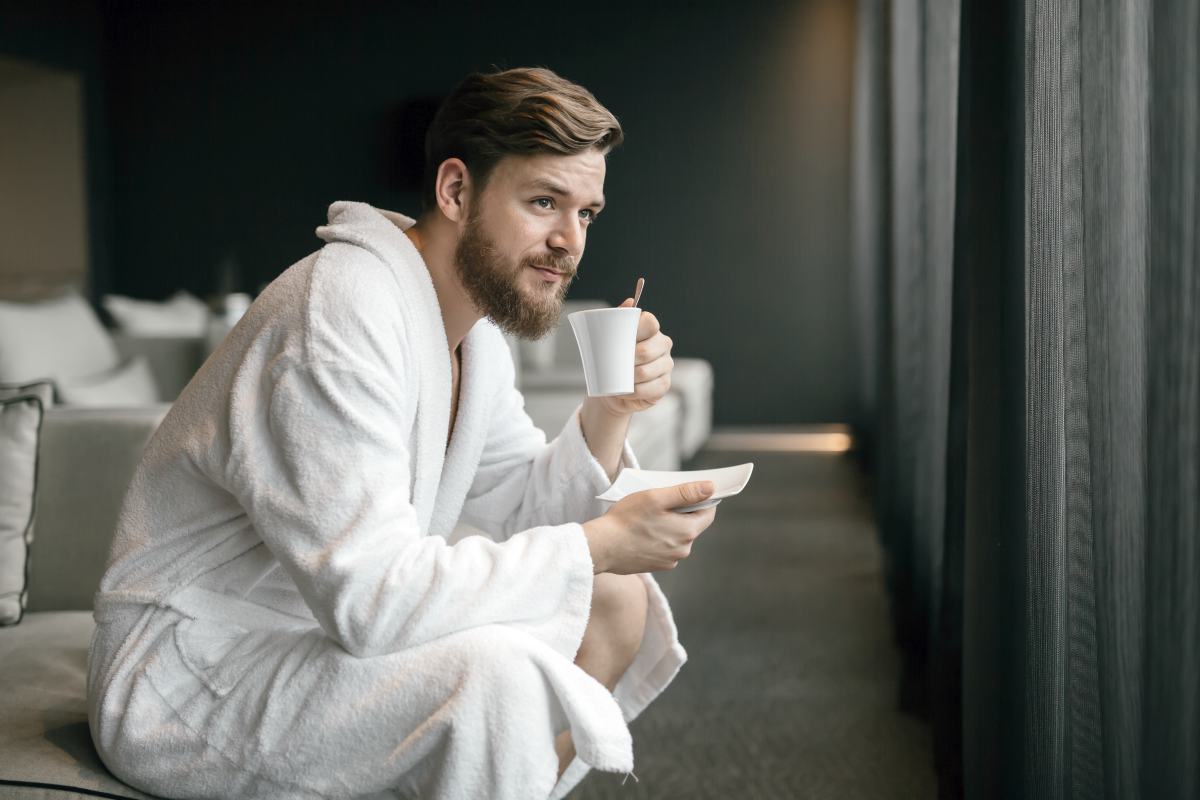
{"x": 524, "y": 111}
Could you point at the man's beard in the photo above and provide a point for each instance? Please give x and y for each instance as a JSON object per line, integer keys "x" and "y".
{"x": 494, "y": 284}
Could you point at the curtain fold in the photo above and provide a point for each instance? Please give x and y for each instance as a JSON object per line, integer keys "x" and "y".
{"x": 1059, "y": 683}
{"x": 870, "y": 221}
{"x": 1170, "y": 693}
{"x": 990, "y": 287}
{"x": 1110, "y": 539}
{"x": 906, "y": 545}
{"x": 923, "y": 48}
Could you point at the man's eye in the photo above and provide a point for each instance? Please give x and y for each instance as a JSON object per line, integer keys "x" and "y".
{"x": 549, "y": 203}
{"x": 591, "y": 215}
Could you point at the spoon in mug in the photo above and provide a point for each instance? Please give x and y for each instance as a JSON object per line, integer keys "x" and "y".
{"x": 637, "y": 293}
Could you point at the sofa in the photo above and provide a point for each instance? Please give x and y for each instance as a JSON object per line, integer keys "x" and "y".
{"x": 85, "y": 459}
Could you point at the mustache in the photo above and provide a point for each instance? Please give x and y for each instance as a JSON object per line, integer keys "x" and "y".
{"x": 563, "y": 264}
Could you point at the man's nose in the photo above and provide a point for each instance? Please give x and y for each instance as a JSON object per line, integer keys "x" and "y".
{"x": 567, "y": 238}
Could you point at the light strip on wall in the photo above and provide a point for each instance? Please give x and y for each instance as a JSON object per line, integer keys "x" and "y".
{"x": 821, "y": 439}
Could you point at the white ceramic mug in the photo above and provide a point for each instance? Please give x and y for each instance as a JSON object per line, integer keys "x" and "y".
{"x": 607, "y": 338}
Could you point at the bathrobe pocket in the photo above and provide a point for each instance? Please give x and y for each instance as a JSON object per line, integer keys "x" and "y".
{"x": 219, "y": 678}
{"x": 220, "y": 654}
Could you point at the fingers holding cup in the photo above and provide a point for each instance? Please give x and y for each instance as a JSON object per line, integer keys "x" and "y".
{"x": 648, "y": 326}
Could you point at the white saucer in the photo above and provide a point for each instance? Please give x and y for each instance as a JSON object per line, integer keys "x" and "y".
{"x": 727, "y": 481}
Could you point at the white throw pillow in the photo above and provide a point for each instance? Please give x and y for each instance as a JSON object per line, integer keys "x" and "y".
{"x": 181, "y": 314}
{"x": 21, "y": 409}
{"x": 58, "y": 338}
{"x": 131, "y": 384}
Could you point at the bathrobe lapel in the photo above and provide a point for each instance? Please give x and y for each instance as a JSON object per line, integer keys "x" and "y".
{"x": 470, "y": 431}
{"x": 428, "y": 350}
{"x": 441, "y": 476}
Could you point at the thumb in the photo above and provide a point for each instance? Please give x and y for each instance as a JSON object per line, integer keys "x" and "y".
{"x": 693, "y": 492}
{"x": 628, "y": 303}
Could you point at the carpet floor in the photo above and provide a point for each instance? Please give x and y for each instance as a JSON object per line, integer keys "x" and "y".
{"x": 790, "y": 690}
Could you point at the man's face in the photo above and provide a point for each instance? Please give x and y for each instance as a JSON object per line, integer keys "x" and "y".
{"x": 524, "y": 237}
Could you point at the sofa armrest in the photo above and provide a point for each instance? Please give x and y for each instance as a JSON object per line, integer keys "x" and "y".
{"x": 173, "y": 359}
{"x": 86, "y": 460}
{"x": 653, "y": 434}
{"x": 691, "y": 382}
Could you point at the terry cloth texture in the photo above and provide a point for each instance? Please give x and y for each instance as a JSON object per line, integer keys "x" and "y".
{"x": 283, "y": 613}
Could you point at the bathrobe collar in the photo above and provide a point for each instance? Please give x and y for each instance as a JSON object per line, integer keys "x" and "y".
{"x": 441, "y": 477}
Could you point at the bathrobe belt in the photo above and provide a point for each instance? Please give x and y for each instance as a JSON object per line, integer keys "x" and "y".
{"x": 196, "y": 602}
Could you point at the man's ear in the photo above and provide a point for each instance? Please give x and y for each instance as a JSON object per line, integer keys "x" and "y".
{"x": 452, "y": 188}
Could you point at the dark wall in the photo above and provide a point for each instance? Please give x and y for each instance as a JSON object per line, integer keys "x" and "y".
{"x": 235, "y": 125}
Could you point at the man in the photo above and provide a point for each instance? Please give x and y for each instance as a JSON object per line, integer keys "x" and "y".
{"x": 287, "y": 611}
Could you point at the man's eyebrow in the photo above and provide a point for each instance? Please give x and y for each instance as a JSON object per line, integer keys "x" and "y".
{"x": 554, "y": 188}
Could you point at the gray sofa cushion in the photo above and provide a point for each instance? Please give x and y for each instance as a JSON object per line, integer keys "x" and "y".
{"x": 77, "y": 503}
{"x": 45, "y": 739}
{"x": 173, "y": 359}
{"x": 130, "y": 384}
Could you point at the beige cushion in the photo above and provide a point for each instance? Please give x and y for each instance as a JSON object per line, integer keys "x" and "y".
{"x": 20, "y": 422}
{"x": 130, "y": 384}
{"x": 58, "y": 338}
{"x": 43, "y": 684}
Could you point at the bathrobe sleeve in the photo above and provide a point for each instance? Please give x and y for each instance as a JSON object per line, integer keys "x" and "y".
{"x": 321, "y": 466}
{"x": 523, "y": 481}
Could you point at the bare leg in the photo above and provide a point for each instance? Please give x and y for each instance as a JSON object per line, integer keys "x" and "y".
{"x": 565, "y": 749}
{"x": 610, "y": 641}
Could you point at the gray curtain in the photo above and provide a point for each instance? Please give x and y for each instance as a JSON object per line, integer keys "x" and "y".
{"x": 1036, "y": 383}
{"x": 1111, "y": 393}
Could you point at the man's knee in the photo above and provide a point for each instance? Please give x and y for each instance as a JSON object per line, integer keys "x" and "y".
{"x": 619, "y": 605}
{"x": 618, "y": 595}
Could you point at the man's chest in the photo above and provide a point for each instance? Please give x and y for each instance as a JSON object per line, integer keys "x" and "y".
{"x": 455, "y": 380}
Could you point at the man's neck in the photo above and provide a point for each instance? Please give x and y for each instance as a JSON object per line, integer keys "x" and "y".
{"x": 435, "y": 237}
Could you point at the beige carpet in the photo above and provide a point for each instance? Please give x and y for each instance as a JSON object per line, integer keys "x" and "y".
{"x": 791, "y": 683}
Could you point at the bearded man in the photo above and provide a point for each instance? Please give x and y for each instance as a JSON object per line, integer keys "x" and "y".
{"x": 287, "y": 609}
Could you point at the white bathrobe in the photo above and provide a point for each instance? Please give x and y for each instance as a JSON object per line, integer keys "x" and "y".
{"x": 287, "y": 609}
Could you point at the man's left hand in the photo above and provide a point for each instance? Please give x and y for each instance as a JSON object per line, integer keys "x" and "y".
{"x": 652, "y": 365}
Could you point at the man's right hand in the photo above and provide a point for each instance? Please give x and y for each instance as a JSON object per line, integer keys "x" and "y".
{"x": 641, "y": 533}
